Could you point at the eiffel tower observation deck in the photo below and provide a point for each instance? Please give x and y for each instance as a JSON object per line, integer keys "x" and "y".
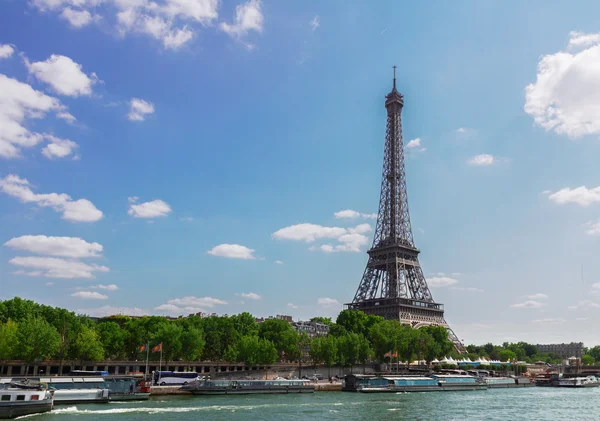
{"x": 393, "y": 284}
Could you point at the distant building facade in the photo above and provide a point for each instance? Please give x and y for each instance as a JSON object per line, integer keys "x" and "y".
{"x": 312, "y": 329}
{"x": 574, "y": 349}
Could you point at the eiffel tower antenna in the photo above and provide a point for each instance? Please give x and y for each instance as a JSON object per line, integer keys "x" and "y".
{"x": 393, "y": 284}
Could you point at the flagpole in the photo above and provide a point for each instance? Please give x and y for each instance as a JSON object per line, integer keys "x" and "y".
{"x": 160, "y": 360}
{"x": 147, "y": 354}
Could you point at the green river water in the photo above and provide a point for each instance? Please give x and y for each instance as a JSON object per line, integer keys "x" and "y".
{"x": 498, "y": 404}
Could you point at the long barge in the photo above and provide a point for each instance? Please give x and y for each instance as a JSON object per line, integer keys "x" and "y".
{"x": 247, "y": 387}
{"x": 433, "y": 383}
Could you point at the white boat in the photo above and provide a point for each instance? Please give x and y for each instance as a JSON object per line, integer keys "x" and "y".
{"x": 589, "y": 381}
{"x": 17, "y": 401}
{"x": 69, "y": 390}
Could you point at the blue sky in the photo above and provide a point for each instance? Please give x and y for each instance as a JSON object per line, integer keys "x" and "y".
{"x": 190, "y": 139}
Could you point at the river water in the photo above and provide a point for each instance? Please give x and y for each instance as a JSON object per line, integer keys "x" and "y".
{"x": 499, "y": 404}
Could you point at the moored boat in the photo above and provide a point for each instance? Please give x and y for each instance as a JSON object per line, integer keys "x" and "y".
{"x": 69, "y": 390}
{"x": 246, "y": 387}
{"x": 577, "y": 382}
{"x": 434, "y": 383}
{"x": 18, "y": 400}
{"x": 506, "y": 382}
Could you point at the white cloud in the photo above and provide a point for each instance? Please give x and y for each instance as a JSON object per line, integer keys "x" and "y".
{"x": 250, "y": 295}
{"x": 328, "y": 302}
{"x": 81, "y": 210}
{"x": 28, "y": 273}
{"x": 248, "y": 17}
{"x": 112, "y": 310}
{"x": 415, "y": 145}
{"x": 49, "y": 284}
{"x": 63, "y": 75}
{"x": 291, "y": 305}
{"x": 279, "y": 262}
{"x": 233, "y": 251}
{"x": 441, "y": 281}
{"x": 139, "y": 109}
{"x": 19, "y": 103}
{"x": 89, "y": 295}
{"x": 596, "y": 286}
{"x": 565, "y": 97}
{"x": 169, "y": 21}
{"x": 352, "y": 214}
{"x": 189, "y": 304}
{"x": 594, "y": 228}
{"x": 52, "y": 267}
{"x": 528, "y": 304}
{"x": 111, "y": 287}
{"x": 350, "y": 239}
{"x": 133, "y": 199}
{"x": 153, "y": 209}
{"x": 308, "y": 232}
{"x": 77, "y": 18}
{"x": 468, "y": 289}
{"x": 187, "y": 219}
{"x": 579, "y": 195}
{"x": 481, "y": 160}
{"x": 58, "y": 148}
{"x": 72, "y": 247}
{"x": 6, "y": 51}
{"x": 315, "y": 23}
{"x": 580, "y": 39}
{"x": 538, "y": 296}
{"x": 551, "y": 320}
{"x": 584, "y": 305}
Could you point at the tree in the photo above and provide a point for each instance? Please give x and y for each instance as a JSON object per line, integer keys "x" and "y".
{"x": 170, "y": 335}
{"x": 426, "y": 346}
{"x": 316, "y": 350}
{"x": 364, "y": 351}
{"x": 267, "y": 353}
{"x": 507, "y": 355}
{"x": 219, "y": 334}
{"x": 9, "y": 340}
{"x": 248, "y": 349}
{"x": 113, "y": 339}
{"x": 329, "y": 352}
{"x": 88, "y": 345}
{"x": 325, "y": 320}
{"x": 382, "y": 338}
{"x": 37, "y": 340}
{"x": 594, "y": 353}
{"x": 440, "y": 336}
{"x": 281, "y": 333}
{"x": 245, "y": 324}
{"x": 587, "y": 359}
{"x": 192, "y": 344}
{"x": 349, "y": 349}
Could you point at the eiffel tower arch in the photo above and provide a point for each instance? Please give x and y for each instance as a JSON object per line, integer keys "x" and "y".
{"x": 393, "y": 284}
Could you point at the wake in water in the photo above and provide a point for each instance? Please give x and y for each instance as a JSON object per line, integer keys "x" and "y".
{"x": 73, "y": 410}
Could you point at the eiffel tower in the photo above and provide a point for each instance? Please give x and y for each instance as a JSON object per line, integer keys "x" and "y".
{"x": 393, "y": 284}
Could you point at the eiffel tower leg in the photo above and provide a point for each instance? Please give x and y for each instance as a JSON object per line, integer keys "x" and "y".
{"x": 458, "y": 345}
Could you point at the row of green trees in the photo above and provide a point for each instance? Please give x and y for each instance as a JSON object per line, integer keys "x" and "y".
{"x": 30, "y": 332}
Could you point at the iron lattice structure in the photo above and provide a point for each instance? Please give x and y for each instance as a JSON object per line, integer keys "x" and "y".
{"x": 393, "y": 284}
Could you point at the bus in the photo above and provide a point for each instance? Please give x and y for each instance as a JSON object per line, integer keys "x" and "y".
{"x": 166, "y": 378}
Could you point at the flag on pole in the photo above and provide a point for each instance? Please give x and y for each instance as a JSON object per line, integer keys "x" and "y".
{"x": 142, "y": 348}
{"x": 157, "y": 348}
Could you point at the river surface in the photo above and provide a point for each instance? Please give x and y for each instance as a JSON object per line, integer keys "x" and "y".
{"x": 499, "y": 404}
